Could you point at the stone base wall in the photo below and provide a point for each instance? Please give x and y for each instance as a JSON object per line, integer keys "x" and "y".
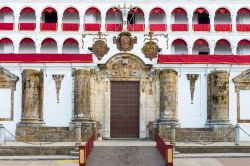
{"x": 199, "y": 134}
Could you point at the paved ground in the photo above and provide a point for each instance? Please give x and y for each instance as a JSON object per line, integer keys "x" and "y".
{"x": 177, "y": 162}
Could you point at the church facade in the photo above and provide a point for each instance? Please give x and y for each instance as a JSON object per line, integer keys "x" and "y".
{"x": 125, "y": 69}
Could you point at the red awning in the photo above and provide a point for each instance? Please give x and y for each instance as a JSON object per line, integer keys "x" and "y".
{"x": 48, "y": 41}
{"x": 223, "y": 42}
{"x": 244, "y": 11}
{"x": 6, "y": 10}
{"x": 201, "y": 10}
{"x": 201, "y": 42}
{"x": 204, "y": 59}
{"x": 93, "y": 10}
{"x": 27, "y": 10}
{"x": 27, "y": 41}
{"x": 70, "y": 41}
{"x": 114, "y": 10}
{"x": 157, "y": 11}
{"x": 135, "y": 11}
{"x": 179, "y": 41}
{"x": 49, "y": 10}
{"x": 5, "y": 41}
{"x": 244, "y": 42}
{"x": 71, "y": 10}
{"x": 46, "y": 58}
{"x": 179, "y": 11}
{"x": 222, "y": 11}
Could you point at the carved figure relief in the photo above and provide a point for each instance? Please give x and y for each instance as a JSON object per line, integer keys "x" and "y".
{"x": 58, "y": 79}
{"x": 125, "y": 41}
{"x": 192, "y": 79}
{"x": 8, "y": 80}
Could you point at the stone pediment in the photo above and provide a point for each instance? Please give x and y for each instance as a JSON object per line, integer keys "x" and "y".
{"x": 244, "y": 77}
{"x": 7, "y": 79}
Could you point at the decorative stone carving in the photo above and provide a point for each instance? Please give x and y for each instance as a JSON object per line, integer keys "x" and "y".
{"x": 31, "y": 98}
{"x": 99, "y": 47}
{"x": 8, "y": 80}
{"x": 218, "y": 99}
{"x": 168, "y": 96}
{"x": 146, "y": 86}
{"x": 58, "y": 79}
{"x": 125, "y": 42}
{"x": 82, "y": 95}
{"x": 242, "y": 82}
{"x": 192, "y": 79}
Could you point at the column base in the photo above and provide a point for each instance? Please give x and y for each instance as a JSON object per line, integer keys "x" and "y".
{"x": 218, "y": 124}
{"x": 88, "y": 127}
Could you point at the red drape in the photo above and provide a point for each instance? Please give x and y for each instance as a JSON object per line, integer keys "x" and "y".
{"x": 223, "y": 27}
{"x": 244, "y": 11}
{"x": 222, "y": 42}
{"x": 222, "y": 11}
{"x": 244, "y": 42}
{"x": 27, "y": 26}
{"x": 201, "y": 10}
{"x": 71, "y": 10}
{"x": 114, "y": 10}
{"x": 179, "y": 41}
{"x": 70, "y": 26}
{"x": 135, "y": 11}
{"x": 201, "y": 42}
{"x": 157, "y": 27}
{"x": 157, "y": 11}
{"x": 204, "y": 59}
{"x": 179, "y": 27}
{"x": 92, "y": 27}
{"x": 27, "y": 10}
{"x": 243, "y": 27}
{"x": 114, "y": 27}
{"x": 48, "y": 41}
{"x": 70, "y": 41}
{"x": 49, "y": 10}
{"x": 6, "y": 26}
{"x": 135, "y": 27}
{"x": 5, "y": 10}
{"x": 46, "y": 58}
{"x": 48, "y": 26}
{"x": 201, "y": 27}
{"x": 179, "y": 10}
{"x": 93, "y": 10}
{"x": 5, "y": 41}
{"x": 27, "y": 40}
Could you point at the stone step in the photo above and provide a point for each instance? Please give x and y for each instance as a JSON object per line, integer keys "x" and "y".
{"x": 74, "y": 153}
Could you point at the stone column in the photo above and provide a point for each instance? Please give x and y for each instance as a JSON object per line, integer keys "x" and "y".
{"x": 59, "y": 23}
{"x": 146, "y": 22}
{"x": 233, "y": 20}
{"x": 31, "y": 110}
{"x": 38, "y": 21}
{"x": 81, "y": 22}
{"x": 211, "y": 17}
{"x": 16, "y": 22}
{"x": 168, "y": 22}
{"x": 190, "y": 23}
{"x": 82, "y": 95}
{"x": 218, "y": 99}
{"x": 168, "y": 104}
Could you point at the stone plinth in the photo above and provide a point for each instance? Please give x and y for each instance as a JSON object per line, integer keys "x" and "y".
{"x": 218, "y": 99}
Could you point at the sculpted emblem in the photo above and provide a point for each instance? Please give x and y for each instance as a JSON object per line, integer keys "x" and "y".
{"x": 125, "y": 41}
{"x": 100, "y": 48}
{"x": 150, "y": 49}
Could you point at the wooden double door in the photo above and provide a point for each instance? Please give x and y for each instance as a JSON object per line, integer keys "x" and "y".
{"x": 125, "y": 101}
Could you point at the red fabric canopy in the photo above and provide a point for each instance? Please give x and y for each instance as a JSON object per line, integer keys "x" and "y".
{"x": 71, "y": 10}
{"x": 114, "y": 10}
{"x": 49, "y": 10}
{"x": 179, "y": 41}
{"x": 27, "y": 10}
{"x": 46, "y": 58}
{"x": 70, "y": 41}
{"x": 135, "y": 11}
{"x": 5, "y": 41}
{"x": 27, "y": 40}
{"x": 6, "y": 10}
{"x": 244, "y": 42}
{"x": 204, "y": 59}
{"x": 223, "y": 42}
{"x": 93, "y": 10}
{"x": 222, "y": 11}
{"x": 179, "y": 10}
{"x": 201, "y": 10}
{"x": 244, "y": 11}
{"x": 48, "y": 41}
{"x": 157, "y": 11}
{"x": 201, "y": 42}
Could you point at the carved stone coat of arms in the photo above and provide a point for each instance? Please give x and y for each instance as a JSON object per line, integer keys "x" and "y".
{"x": 125, "y": 41}
{"x": 150, "y": 49}
{"x": 100, "y": 48}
